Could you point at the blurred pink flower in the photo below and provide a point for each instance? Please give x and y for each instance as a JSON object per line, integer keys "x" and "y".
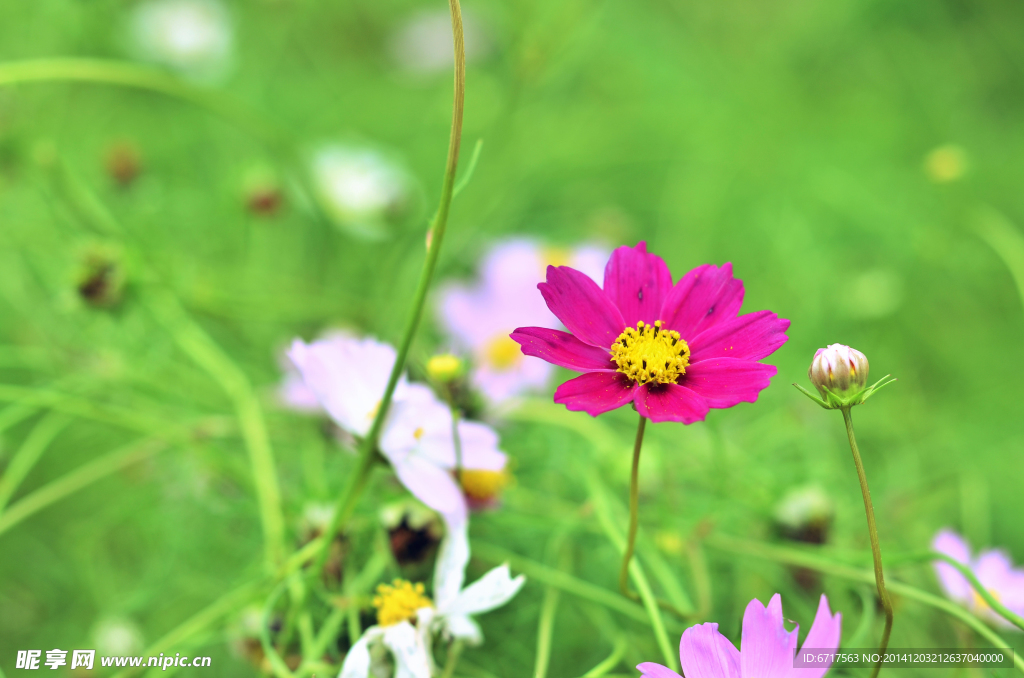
{"x": 674, "y": 351}
{"x": 767, "y": 648}
{"x": 994, "y": 570}
{"x": 348, "y": 376}
{"x": 479, "y": 317}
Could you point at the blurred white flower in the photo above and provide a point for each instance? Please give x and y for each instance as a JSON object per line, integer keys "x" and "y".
{"x": 408, "y": 621}
{"x": 349, "y": 376}
{"x": 117, "y": 636}
{"x": 360, "y": 189}
{"x": 423, "y": 44}
{"x": 480, "y": 317}
{"x": 191, "y": 36}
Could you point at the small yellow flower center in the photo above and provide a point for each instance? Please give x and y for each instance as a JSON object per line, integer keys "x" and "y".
{"x": 444, "y": 368}
{"x": 418, "y": 433}
{"x": 398, "y": 601}
{"x": 482, "y": 485}
{"x": 650, "y": 354}
{"x": 502, "y": 353}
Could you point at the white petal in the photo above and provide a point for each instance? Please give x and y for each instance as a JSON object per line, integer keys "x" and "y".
{"x": 432, "y": 485}
{"x": 348, "y": 376}
{"x": 419, "y": 415}
{"x": 412, "y": 659}
{"x": 450, "y": 569}
{"x": 357, "y": 661}
{"x": 488, "y": 592}
{"x": 479, "y": 444}
{"x": 462, "y": 627}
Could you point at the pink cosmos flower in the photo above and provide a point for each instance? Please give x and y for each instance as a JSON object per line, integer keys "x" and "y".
{"x": 674, "y": 351}
{"x": 480, "y": 316}
{"x": 767, "y": 647}
{"x": 994, "y": 570}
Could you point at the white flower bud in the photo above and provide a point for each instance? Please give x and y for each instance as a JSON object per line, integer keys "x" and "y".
{"x": 839, "y": 369}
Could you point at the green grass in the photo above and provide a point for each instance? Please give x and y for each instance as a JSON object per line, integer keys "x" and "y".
{"x": 788, "y": 138}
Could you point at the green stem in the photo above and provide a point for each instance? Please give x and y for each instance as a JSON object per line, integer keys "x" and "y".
{"x": 545, "y": 630}
{"x": 876, "y": 551}
{"x": 198, "y": 622}
{"x": 611, "y": 661}
{"x": 29, "y": 453}
{"x": 139, "y": 77}
{"x": 454, "y": 652}
{"x": 208, "y": 355}
{"x": 367, "y": 453}
{"x": 277, "y": 664}
{"x": 650, "y": 603}
{"x": 79, "y": 478}
{"x": 634, "y": 510}
{"x": 561, "y": 580}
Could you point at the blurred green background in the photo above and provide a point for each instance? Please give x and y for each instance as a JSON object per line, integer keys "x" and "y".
{"x": 860, "y": 163}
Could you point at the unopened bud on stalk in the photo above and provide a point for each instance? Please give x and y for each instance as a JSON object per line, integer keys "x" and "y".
{"x": 444, "y": 368}
{"x": 840, "y": 374}
{"x": 839, "y": 369}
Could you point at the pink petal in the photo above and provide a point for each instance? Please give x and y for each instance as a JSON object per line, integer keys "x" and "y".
{"x": 724, "y": 382}
{"x": 637, "y": 282}
{"x": 705, "y": 296}
{"x": 766, "y": 648}
{"x": 562, "y": 349}
{"x": 953, "y": 545}
{"x": 823, "y": 636}
{"x": 595, "y": 392}
{"x": 752, "y": 336}
{"x": 582, "y": 306}
{"x": 706, "y": 653}
{"x": 432, "y": 485}
{"x": 652, "y": 670}
{"x": 670, "y": 402}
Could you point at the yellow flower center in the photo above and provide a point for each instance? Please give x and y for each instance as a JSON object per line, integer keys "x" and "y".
{"x": 502, "y": 353}
{"x": 650, "y": 354}
{"x": 482, "y": 485}
{"x": 398, "y": 601}
{"x": 444, "y": 368}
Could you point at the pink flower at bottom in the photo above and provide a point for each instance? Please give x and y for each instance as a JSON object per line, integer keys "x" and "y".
{"x": 767, "y": 648}
{"x": 674, "y": 351}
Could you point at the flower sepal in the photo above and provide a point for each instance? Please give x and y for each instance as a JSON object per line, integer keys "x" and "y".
{"x": 835, "y": 401}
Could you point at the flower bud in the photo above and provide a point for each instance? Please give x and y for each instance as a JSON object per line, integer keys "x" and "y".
{"x": 839, "y": 369}
{"x": 444, "y": 368}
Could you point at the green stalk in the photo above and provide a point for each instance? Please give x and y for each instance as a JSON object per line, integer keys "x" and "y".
{"x": 560, "y": 580}
{"x": 876, "y": 551}
{"x": 454, "y": 652}
{"x": 609, "y": 662}
{"x": 367, "y": 453}
{"x": 29, "y": 453}
{"x": 650, "y": 603}
{"x": 125, "y": 74}
{"x": 208, "y": 355}
{"x": 79, "y": 478}
{"x": 634, "y": 510}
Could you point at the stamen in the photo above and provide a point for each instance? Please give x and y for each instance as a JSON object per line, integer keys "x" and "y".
{"x": 398, "y": 602}
{"x": 637, "y": 351}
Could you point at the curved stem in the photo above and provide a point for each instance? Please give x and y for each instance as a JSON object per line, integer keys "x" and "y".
{"x": 876, "y": 551}
{"x": 123, "y": 74}
{"x": 634, "y": 510}
{"x": 367, "y": 453}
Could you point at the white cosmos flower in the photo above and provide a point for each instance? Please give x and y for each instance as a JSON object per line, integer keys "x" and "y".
{"x": 192, "y": 36}
{"x": 423, "y": 44}
{"x": 359, "y": 188}
{"x": 479, "y": 317}
{"x": 410, "y": 640}
{"x": 349, "y": 375}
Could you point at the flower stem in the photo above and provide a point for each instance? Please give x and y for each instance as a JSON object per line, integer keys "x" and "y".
{"x": 876, "y": 551}
{"x": 368, "y": 451}
{"x": 634, "y": 510}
